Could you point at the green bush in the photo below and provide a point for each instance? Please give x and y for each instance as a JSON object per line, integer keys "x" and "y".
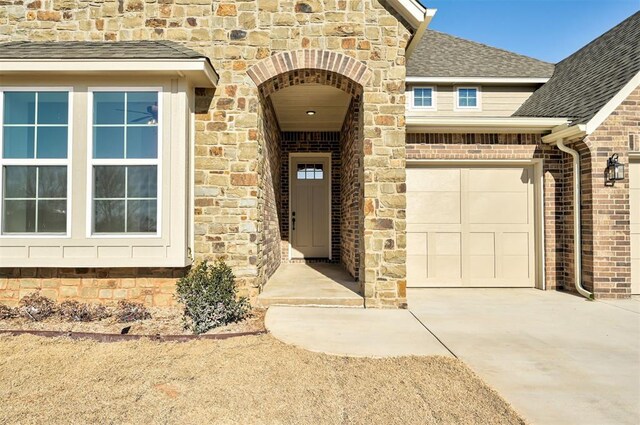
{"x": 209, "y": 296}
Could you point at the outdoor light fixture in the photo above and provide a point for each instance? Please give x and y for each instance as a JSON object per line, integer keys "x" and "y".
{"x": 310, "y": 113}
{"x": 615, "y": 170}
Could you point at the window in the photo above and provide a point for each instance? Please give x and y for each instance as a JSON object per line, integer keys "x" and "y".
{"x": 423, "y": 97}
{"x": 468, "y": 98}
{"x": 310, "y": 172}
{"x": 34, "y": 159}
{"x": 125, "y": 162}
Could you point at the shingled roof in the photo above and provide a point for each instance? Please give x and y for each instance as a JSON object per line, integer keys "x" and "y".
{"x": 585, "y": 81}
{"x": 443, "y": 55}
{"x": 144, "y": 49}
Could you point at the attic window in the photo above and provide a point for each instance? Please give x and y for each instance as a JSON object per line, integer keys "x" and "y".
{"x": 468, "y": 98}
{"x": 423, "y": 98}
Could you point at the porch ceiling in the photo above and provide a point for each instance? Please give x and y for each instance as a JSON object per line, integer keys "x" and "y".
{"x": 292, "y": 103}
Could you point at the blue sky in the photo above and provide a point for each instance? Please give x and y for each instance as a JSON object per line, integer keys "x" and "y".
{"x": 545, "y": 29}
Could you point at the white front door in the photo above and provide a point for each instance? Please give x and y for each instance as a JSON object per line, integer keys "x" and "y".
{"x": 310, "y": 209}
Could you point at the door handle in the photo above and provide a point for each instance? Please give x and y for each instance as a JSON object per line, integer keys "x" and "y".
{"x": 293, "y": 220}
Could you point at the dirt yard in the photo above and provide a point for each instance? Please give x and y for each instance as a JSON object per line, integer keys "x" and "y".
{"x": 163, "y": 321}
{"x": 244, "y": 380}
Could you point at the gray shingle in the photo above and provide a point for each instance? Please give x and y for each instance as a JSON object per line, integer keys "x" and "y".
{"x": 97, "y": 50}
{"x": 585, "y": 81}
{"x": 443, "y": 55}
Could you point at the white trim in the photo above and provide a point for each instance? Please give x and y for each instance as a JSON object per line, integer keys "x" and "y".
{"x": 328, "y": 156}
{"x": 612, "y": 104}
{"x": 198, "y": 70}
{"x": 634, "y": 155}
{"x": 425, "y": 124}
{"x": 37, "y": 162}
{"x": 417, "y": 36}
{"x": 478, "y": 80}
{"x": 411, "y": 10}
{"x": 434, "y": 105}
{"x": 539, "y": 207}
{"x": 456, "y": 105}
{"x": 91, "y": 162}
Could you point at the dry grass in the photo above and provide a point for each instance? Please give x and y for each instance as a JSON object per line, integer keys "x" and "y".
{"x": 164, "y": 321}
{"x": 246, "y": 380}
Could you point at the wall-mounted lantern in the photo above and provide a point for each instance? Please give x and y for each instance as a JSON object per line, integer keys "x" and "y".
{"x": 615, "y": 170}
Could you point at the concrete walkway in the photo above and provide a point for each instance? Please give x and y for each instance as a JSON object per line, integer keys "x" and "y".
{"x": 557, "y": 358}
{"x": 353, "y": 332}
{"x": 316, "y": 284}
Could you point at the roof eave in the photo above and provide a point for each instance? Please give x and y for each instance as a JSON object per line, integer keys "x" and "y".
{"x": 420, "y": 31}
{"x": 198, "y": 70}
{"x": 426, "y": 124}
{"x": 497, "y": 80}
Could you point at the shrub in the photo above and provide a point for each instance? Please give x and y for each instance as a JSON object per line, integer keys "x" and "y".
{"x": 127, "y": 311}
{"x": 80, "y": 312}
{"x": 7, "y": 312}
{"x": 209, "y": 297}
{"x": 36, "y": 307}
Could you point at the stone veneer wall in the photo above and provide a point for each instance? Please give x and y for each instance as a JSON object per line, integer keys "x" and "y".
{"x": 248, "y": 43}
{"x": 311, "y": 142}
{"x": 351, "y": 152}
{"x": 151, "y": 286}
{"x": 506, "y": 147}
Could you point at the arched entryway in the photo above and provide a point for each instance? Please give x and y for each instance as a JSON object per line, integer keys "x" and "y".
{"x": 310, "y": 121}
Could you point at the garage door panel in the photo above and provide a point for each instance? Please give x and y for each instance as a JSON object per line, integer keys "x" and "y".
{"x": 433, "y": 179}
{"x": 498, "y": 207}
{"x": 479, "y": 236}
{"x": 434, "y": 208}
{"x": 498, "y": 179}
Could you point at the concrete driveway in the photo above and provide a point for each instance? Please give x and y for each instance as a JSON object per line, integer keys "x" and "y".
{"x": 557, "y": 358}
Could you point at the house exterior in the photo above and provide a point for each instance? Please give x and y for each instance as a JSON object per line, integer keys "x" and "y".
{"x": 140, "y": 136}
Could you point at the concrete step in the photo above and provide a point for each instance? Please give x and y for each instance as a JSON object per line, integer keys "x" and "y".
{"x": 348, "y": 302}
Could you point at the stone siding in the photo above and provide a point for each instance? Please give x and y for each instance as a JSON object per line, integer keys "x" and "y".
{"x": 151, "y": 286}
{"x": 353, "y": 42}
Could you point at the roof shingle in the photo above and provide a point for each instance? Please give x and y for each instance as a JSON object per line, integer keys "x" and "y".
{"x": 585, "y": 81}
{"x": 443, "y": 55}
{"x": 144, "y": 49}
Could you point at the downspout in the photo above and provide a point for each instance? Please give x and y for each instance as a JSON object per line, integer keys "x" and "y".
{"x": 577, "y": 224}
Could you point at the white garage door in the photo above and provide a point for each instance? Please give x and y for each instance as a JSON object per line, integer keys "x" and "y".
{"x": 634, "y": 189}
{"x": 470, "y": 227}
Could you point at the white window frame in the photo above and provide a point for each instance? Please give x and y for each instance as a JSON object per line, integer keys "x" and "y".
{"x": 91, "y": 162}
{"x": 38, "y": 162}
{"x": 478, "y": 106}
{"x": 433, "y": 106}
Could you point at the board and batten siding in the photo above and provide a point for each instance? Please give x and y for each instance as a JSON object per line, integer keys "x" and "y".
{"x": 495, "y": 101}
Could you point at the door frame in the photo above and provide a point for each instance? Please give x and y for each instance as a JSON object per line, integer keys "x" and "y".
{"x": 538, "y": 199}
{"x": 634, "y": 157}
{"x": 326, "y": 155}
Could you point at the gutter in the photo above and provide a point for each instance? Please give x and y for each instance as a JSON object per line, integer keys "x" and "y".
{"x": 577, "y": 195}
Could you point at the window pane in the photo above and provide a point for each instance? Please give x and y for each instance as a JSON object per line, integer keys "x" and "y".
{"x": 109, "y": 216}
{"x": 52, "y": 216}
{"x": 109, "y": 182}
{"x": 52, "y": 182}
{"x": 19, "y": 107}
{"x": 472, "y": 101}
{"x": 108, "y": 142}
{"x": 418, "y": 101}
{"x": 19, "y": 182}
{"x": 142, "y": 142}
{"x": 53, "y": 107}
{"x": 18, "y": 142}
{"x": 141, "y": 216}
{"x": 108, "y": 108}
{"x": 52, "y": 142}
{"x": 142, "y": 107}
{"x": 463, "y": 101}
{"x": 19, "y": 216}
{"x": 142, "y": 182}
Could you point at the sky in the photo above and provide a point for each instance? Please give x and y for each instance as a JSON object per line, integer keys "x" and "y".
{"x": 549, "y": 30}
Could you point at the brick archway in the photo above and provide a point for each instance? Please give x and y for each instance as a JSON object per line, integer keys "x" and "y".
{"x": 323, "y": 60}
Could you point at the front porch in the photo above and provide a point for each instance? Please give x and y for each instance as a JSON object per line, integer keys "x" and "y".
{"x": 311, "y": 284}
